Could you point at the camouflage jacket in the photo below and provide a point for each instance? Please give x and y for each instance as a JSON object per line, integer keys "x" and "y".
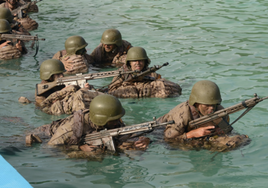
{"x": 74, "y": 63}
{"x": 182, "y": 114}
{"x": 149, "y": 86}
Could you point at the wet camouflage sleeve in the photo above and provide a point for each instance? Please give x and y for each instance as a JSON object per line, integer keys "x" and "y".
{"x": 182, "y": 116}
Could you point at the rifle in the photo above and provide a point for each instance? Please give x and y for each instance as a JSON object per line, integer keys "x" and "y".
{"x": 105, "y": 137}
{"x": 248, "y": 104}
{"x": 144, "y": 73}
{"x": 78, "y": 79}
{"x": 20, "y": 37}
{"x": 19, "y": 11}
{"x": 23, "y": 38}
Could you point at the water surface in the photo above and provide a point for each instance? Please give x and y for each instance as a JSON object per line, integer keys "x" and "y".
{"x": 224, "y": 41}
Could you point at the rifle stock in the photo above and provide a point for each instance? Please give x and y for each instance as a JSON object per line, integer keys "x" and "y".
{"x": 105, "y": 137}
{"x": 78, "y": 79}
{"x": 250, "y": 103}
{"x": 145, "y": 73}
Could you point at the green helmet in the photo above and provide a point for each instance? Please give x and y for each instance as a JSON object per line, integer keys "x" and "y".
{"x": 137, "y": 53}
{"x": 50, "y": 67}
{"x": 74, "y": 43}
{"x": 6, "y": 14}
{"x": 105, "y": 108}
{"x": 4, "y": 26}
{"x": 112, "y": 36}
{"x": 205, "y": 92}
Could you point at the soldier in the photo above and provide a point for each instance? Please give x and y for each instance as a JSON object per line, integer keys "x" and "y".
{"x": 111, "y": 51}
{"x": 28, "y": 23}
{"x": 61, "y": 99}
{"x": 205, "y": 98}
{"x": 74, "y": 57}
{"x": 16, "y": 27}
{"x": 148, "y": 86}
{"x": 105, "y": 112}
{"x": 8, "y": 49}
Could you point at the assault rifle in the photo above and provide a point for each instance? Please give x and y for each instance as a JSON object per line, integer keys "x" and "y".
{"x": 105, "y": 137}
{"x": 20, "y": 37}
{"x": 78, "y": 79}
{"x": 145, "y": 73}
{"x": 23, "y": 38}
{"x": 248, "y": 104}
{"x": 20, "y": 11}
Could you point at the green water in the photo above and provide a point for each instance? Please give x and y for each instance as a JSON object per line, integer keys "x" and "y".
{"x": 224, "y": 41}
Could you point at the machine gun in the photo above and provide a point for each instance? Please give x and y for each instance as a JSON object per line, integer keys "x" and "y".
{"x": 105, "y": 137}
{"x": 23, "y": 38}
{"x": 78, "y": 79}
{"x": 145, "y": 73}
{"x": 248, "y": 104}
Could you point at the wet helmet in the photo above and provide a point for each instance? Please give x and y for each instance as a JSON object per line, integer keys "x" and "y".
{"x": 6, "y": 14}
{"x": 105, "y": 108}
{"x": 50, "y": 67}
{"x": 205, "y": 92}
{"x": 112, "y": 36}
{"x": 74, "y": 43}
{"x": 4, "y": 26}
{"x": 137, "y": 53}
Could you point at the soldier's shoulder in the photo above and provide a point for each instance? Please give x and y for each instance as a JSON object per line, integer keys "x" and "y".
{"x": 59, "y": 54}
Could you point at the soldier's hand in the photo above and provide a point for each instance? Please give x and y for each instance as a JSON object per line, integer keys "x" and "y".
{"x": 142, "y": 143}
{"x": 202, "y": 131}
{"x": 87, "y": 86}
{"x": 88, "y": 147}
{"x": 19, "y": 46}
{"x": 4, "y": 44}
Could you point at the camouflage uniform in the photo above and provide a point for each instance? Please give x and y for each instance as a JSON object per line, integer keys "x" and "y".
{"x": 80, "y": 63}
{"x": 9, "y": 51}
{"x": 99, "y": 57}
{"x": 160, "y": 87}
{"x": 74, "y": 57}
{"x": 27, "y": 23}
{"x": 68, "y": 131}
{"x": 65, "y": 100}
{"x": 61, "y": 99}
{"x": 182, "y": 114}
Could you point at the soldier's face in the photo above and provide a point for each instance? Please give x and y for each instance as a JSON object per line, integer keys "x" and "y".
{"x": 82, "y": 51}
{"x": 137, "y": 65}
{"x": 109, "y": 47}
{"x": 112, "y": 124}
{"x": 56, "y": 76}
{"x": 206, "y": 109}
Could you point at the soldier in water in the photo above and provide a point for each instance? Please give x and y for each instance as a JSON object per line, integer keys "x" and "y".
{"x": 16, "y": 27}
{"x": 105, "y": 112}
{"x": 10, "y": 49}
{"x": 111, "y": 51}
{"x": 74, "y": 57}
{"x": 61, "y": 99}
{"x": 151, "y": 85}
{"x": 205, "y": 98}
{"x": 22, "y": 17}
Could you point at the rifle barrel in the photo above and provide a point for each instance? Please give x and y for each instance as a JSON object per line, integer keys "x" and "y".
{"x": 224, "y": 112}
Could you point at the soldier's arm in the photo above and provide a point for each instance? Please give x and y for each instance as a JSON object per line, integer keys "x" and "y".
{"x": 116, "y": 83}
